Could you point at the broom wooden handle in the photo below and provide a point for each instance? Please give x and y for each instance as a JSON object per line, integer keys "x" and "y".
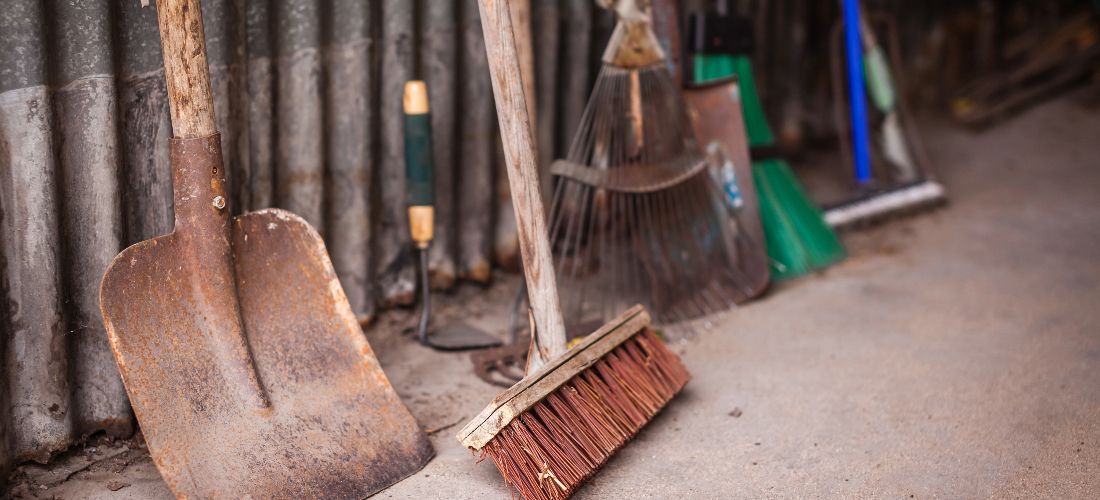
{"x": 183, "y": 47}
{"x": 523, "y": 177}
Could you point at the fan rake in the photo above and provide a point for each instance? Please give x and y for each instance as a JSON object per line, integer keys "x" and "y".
{"x": 640, "y": 214}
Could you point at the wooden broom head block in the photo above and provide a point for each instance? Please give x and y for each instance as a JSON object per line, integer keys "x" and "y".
{"x": 554, "y": 430}
{"x": 416, "y": 98}
{"x": 547, "y": 379}
{"x": 536, "y": 386}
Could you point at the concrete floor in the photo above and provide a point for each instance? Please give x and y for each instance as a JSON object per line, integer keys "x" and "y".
{"x": 954, "y": 355}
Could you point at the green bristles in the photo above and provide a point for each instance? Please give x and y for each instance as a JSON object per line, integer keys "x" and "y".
{"x": 798, "y": 240}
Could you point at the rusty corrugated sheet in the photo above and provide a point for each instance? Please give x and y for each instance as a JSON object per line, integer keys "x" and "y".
{"x": 477, "y": 127}
{"x": 302, "y": 91}
{"x": 439, "y": 62}
{"x": 86, "y": 107}
{"x": 395, "y": 272}
{"x": 37, "y": 368}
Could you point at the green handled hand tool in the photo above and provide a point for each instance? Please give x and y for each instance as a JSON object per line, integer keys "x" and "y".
{"x": 419, "y": 187}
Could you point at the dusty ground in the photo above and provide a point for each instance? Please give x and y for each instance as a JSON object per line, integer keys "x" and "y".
{"x": 954, "y": 355}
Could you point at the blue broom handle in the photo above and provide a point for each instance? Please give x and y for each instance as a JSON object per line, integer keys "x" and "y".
{"x": 861, "y": 143}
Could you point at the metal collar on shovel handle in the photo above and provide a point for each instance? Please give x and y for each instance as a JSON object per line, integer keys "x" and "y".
{"x": 202, "y": 227}
{"x": 420, "y": 186}
{"x": 244, "y": 363}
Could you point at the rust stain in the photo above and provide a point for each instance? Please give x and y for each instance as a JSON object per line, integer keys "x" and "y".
{"x": 480, "y": 272}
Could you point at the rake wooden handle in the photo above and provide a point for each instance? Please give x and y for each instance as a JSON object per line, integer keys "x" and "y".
{"x": 523, "y": 177}
{"x": 183, "y": 47}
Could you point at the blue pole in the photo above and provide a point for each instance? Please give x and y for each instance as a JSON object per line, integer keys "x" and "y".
{"x": 861, "y": 142}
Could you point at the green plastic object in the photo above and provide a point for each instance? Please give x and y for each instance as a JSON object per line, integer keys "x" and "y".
{"x": 879, "y": 82}
{"x": 799, "y": 242}
{"x": 418, "y": 159}
{"x": 717, "y": 66}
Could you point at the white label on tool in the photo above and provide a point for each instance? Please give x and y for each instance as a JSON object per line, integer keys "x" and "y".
{"x": 725, "y": 175}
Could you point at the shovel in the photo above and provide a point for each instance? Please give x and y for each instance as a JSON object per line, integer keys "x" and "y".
{"x": 243, "y": 361}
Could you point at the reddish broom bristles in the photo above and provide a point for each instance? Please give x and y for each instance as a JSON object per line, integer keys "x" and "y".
{"x": 559, "y": 443}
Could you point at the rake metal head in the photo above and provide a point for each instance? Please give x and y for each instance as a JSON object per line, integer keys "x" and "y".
{"x": 640, "y": 214}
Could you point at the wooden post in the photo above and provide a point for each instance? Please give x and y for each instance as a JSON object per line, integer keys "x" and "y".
{"x": 521, "y": 31}
{"x": 523, "y": 176}
{"x": 506, "y": 241}
{"x": 189, "y": 94}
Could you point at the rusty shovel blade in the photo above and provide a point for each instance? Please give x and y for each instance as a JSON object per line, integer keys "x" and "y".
{"x": 244, "y": 363}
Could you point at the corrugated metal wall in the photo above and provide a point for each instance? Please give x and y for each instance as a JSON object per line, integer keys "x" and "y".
{"x": 308, "y": 101}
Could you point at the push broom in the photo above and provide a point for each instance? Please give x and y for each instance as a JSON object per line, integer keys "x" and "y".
{"x": 913, "y": 187}
{"x": 554, "y": 429}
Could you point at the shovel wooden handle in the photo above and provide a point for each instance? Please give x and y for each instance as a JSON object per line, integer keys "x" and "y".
{"x": 523, "y": 177}
{"x": 183, "y": 46}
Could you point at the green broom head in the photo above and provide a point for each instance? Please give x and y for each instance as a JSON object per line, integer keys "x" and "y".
{"x": 799, "y": 242}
